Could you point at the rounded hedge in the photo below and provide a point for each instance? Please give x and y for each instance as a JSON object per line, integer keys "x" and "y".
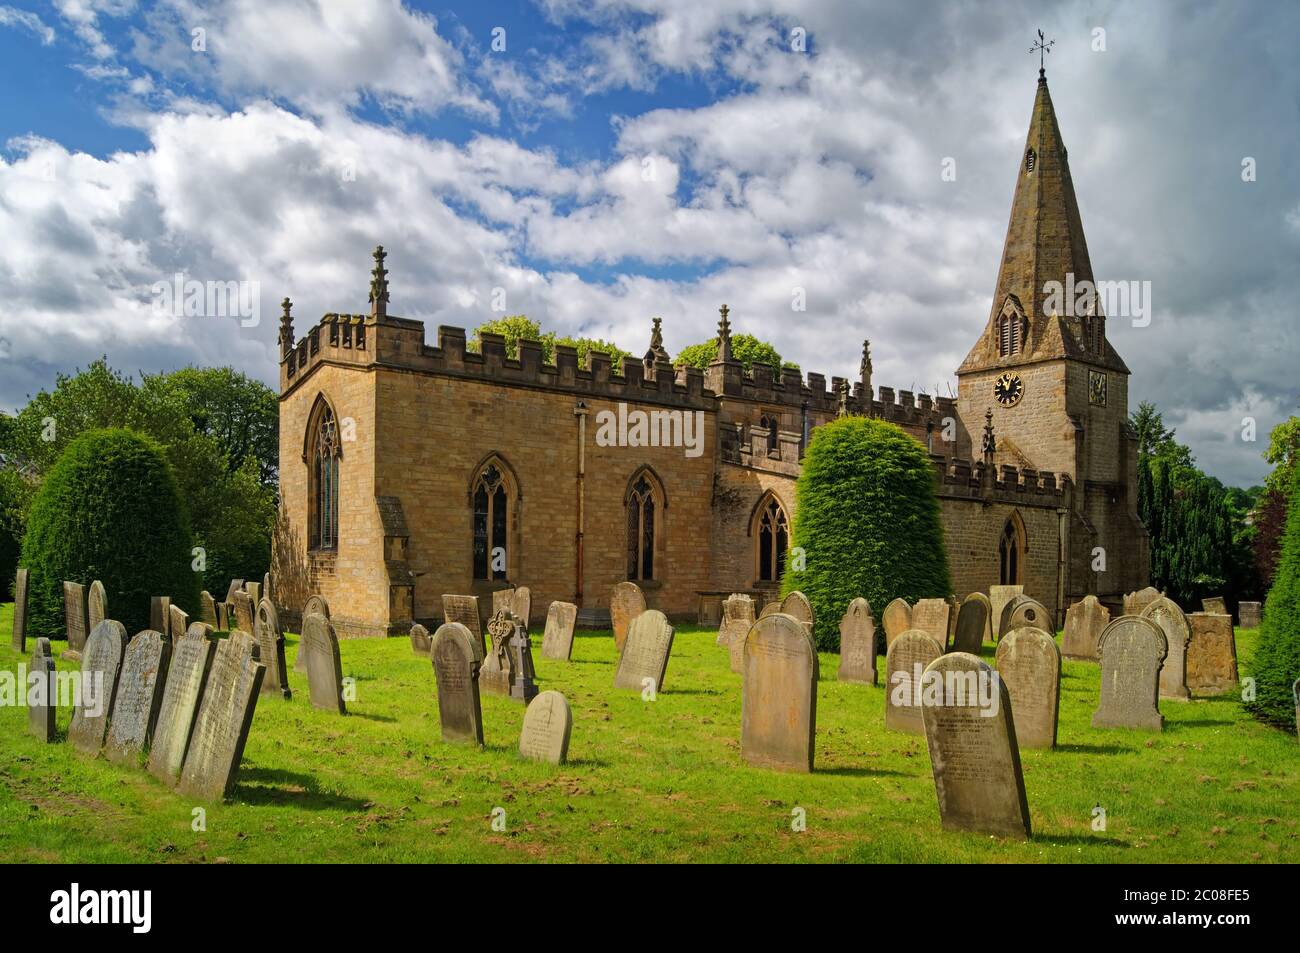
{"x": 109, "y": 510}
{"x": 1276, "y": 664}
{"x": 867, "y": 522}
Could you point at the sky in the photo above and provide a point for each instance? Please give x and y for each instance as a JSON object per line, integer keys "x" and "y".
{"x": 596, "y": 164}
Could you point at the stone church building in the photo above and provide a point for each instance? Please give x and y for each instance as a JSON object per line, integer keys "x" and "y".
{"x": 412, "y": 468}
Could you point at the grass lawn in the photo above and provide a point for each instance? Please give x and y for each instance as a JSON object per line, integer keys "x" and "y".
{"x": 649, "y": 781}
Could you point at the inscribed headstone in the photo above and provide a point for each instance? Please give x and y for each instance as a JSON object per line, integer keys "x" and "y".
{"x": 74, "y": 617}
{"x": 464, "y": 609}
{"x": 896, "y": 619}
{"x": 177, "y": 621}
{"x": 497, "y": 673}
{"x": 1248, "y": 614}
{"x": 1136, "y": 602}
{"x": 548, "y": 722}
{"x": 1215, "y": 605}
{"x": 972, "y": 624}
{"x": 1132, "y": 652}
{"x": 778, "y": 721}
{"x": 187, "y": 674}
{"x": 315, "y": 605}
{"x": 244, "y": 609}
{"x": 625, "y": 604}
{"x": 456, "y": 671}
{"x": 160, "y": 616}
{"x": 1084, "y": 622}
{"x": 324, "y": 667}
{"x": 207, "y": 611}
{"x": 421, "y": 641}
{"x": 270, "y": 650}
{"x": 557, "y": 639}
{"x": 646, "y": 652}
{"x": 1024, "y": 611}
{"x": 999, "y": 596}
{"x": 96, "y": 605}
{"x": 858, "y": 644}
{"x": 139, "y": 697}
{"x": 1029, "y": 664}
{"x": 1173, "y": 674}
{"x": 931, "y": 616}
{"x": 1211, "y": 654}
{"x": 905, "y": 665}
{"x": 225, "y": 715}
{"x": 102, "y": 662}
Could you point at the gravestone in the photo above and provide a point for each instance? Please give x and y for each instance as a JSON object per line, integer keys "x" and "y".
{"x": 931, "y": 616}
{"x": 954, "y": 610}
{"x": 1211, "y": 654}
{"x": 207, "y": 611}
{"x": 625, "y": 604}
{"x": 139, "y": 697}
{"x": 502, "y": 600}
{"x": 1084, "y": 622}
{"x": 236, "y": 585}
{"x": 266, "y": 587}
{"x": 548, "y": 722}
{"x": 223, "y": 623}
{"x": 96, "y": 605}
{"x": 796, "y": 604}
{"x": 557, "y": 639}
{"x": 737, "y": 611}
{"x": 771, "y": 608}
{"x": 20, "y": 610}
{"x": 42, "y": 701}
{"x": 778, "y": 720}
{"x": 1025, "y": 612}
{"x": 1248, "y": 614}
{"x": 896, "y": 619}
{"x": 1214, "y": 605}
{"x": 456, "y": 673}
{"x": 972, "y": 624}
{"x": 1029, "y": 664}
{"x": 187, "y": 674}
{"x": 254, "y": 590}
{"x": 324, "y": 667}
{"x": 421, "y": 641}
{"x": 74, "y": 618}
{"x": 999, "y": 596}
{"x": 225, "y": 715}
{"x": 464, "y": 609}
{"x": 521, "y": 604}
{"x": 160, "y": 616}
{"x": 1173, "y": 674}
{"x": 244, "y": 609}
{"x": 497, "y": 673}
{"x": 315, "y": 605}
{"x": 645, "y": 654}
{"x": 101, "y": 663}
{"x": 1136, "y": 602}
{"x": 523, "y": 688}
{"x": 177, "y": 621}
{"x": 988, "y": 606}
{"x": 1132, "y": 652}
{"x": 974, "y": 755}
{"x": 905, "y": 664}
{"x": 270, "y": 650}
{"x": 858, "y": 644}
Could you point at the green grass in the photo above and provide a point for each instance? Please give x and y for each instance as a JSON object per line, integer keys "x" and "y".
{"x": 659, "y": 781}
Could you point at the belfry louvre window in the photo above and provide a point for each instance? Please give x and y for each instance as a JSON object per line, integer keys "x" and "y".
{"x": 1030, "y": 160}
{"x": 1011, "y": 333}
{"x": 773, "y": 540}
{"x": 324, "y": 463}
{"x": 643, "y": 505}
{"x": 491, "y": 524}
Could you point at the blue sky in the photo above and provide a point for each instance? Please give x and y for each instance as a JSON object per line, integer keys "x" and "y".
{"x": 621, "y": 159}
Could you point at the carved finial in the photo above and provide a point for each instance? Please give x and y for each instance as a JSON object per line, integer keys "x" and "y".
{"x": 657, "y": 354}
{"x": 379, "y": 284}
{"x": 866, "y": 368}
{"x": 286, "y": 326}
{"x": 724, "y": 335}
{"x": 844, "y": 400}
{"x": 990, "y": 441}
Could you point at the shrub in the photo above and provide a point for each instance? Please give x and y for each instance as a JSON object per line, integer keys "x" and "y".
{"x": 109, "y": 510}
{"x": 1276, "y": 664}
{"x": 868, "y": 522}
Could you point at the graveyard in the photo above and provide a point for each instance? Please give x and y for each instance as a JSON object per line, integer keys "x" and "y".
{"x": 660, "y": 781}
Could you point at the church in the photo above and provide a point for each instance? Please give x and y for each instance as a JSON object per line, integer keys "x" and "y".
{"x": 411, "y": 468}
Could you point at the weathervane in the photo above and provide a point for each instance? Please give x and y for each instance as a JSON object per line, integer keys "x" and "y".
{"x": 1042, "y": 47}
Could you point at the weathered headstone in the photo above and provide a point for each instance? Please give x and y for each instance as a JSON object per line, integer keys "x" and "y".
{"x": 96, "y": 605}
{"x": 796, "y": 604}
{"x": 858, "y": 644}
{"x": 770, "y": 608}
{"x": 972, "y": 624}
{"x": 270, "y": 650}
{"x": 225, "y": 715}
{"x": 177, "y": 621}
{"x": 160, "y": 616}
{"x": 523, "y": 688}
{"x": 1215, "y": 605}
{"x": 521, "y": 604}
{"x": 1173, "y": 674}
{"x": 644, "y": 660}
{"x": 557, "y": 639}
{"x": 207, "y": 611}
{"x": 954, "y": 610}
{"x": 498, "y": 671}
{"x": 74, "y": 617}
{"x": 236, "y": 585}
{"x": 254, "y": 590}
{"x": 625, "y": 604}
{"x": 20, "y": 610}
{"x": 999, "y": 596}
{"x": 502, "y": 599}
{"x": 1132, "y": 652}
{"x": 1029, "y": 664}
{"x": 100, "y": 665}
{"x": 1084, "y": 622}
{"x": 1248, "y": 614}
{"x": 266, "y": 588}
{"x": 896, "y": 619}
{"x": 42, "y": 702}
{"x": 548, "y": 722}
{"x": 1211, "y": 654}
{"x": 187, "y": 674}
{"x": 1135, "y": 602}
{"x": 244, "y": 610}
{"x": 223, "y": 620}
{"x": 421, "y": 641}
{"x": 456, "y": 672}
{"x": 139, "y": 697}
{"x": 324, "y": 667}
{"x": 778, "y": 720}
{"x": 1025, "y": 611}
{"x": 737, "y": 610}
{"x": 315, "y": 605}
{"x": 974, "y": 754}
{"x": 931, "y": 616}
{"x": 905, "y": 664}
{"x": 464, "y": 609}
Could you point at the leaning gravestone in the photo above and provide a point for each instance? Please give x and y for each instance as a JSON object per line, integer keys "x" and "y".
{"x": 954, "y": 610}
{"x": 139, "y": 697}
{"x": 645, "y": 654}
{"x": 1025, "y": 612}
{"x": 1135, "y": 602}
{"x": 421, "y": 641}
{"x": 858, "y": 644}
{"x": 1029, "y": 664}
{"x": 270, "y": 650}
{"x": 999, "y": 596}
{"x": 324, "y": 667}
{"x": 557, "y": 639}
{"x": 1083, "y": 624}
{"x": 905, "y": 664}
{"x": 96, "y": 604}
{"x": 254, "y": 590}
{"x": 1215, "y": 605}
{"x": 101, "y": 662}
{"x": 521, "y": 604}
{"x": 187, "y": 674}
{"x": 266, "y": 588}
{"x": 42, "y": 702}
{"x": 625, "y": 604}
{"x": 498, "y": 671}
{"x": 778, "y": 720}
{"x": 236, "y": 585}
{"x": 207, "y": 611}
{"x": 502, "y": 599}
{"x": 1211, "y": 654}
{"x": 796, "y": 604}
{"x": 548, "y": 722}
{"x": 20, "y": 611}
{"x": 225, "y": 715}
{"x": 771, "y": 608}
{"x": 737, "y": 610}
{"x": 1248, "y": 614}
{"x": 1132, "y": 652}
{"x": 896, "y": 619}
{"x": 988, "y": 606}
{"x": 177, "y": 621}
{"x": 931, "y": 616}
{"x": 160, "y": 615}
{"x": 74, "y": 618}
{"x": 244, "y": 609}
{"x": 464, "y": 609}
{"x": 315, "y": 605}
{"x": 223, "y": 623}
{"x": 456, "y": 671}
{"x": 972, "y": 624}
{"x": 974, "y": 754}
{"x": 1173, "y": 674}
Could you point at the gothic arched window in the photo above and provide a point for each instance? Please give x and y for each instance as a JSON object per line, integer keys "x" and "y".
{"x": 490, "y": 498}
{"x": 773, "y": 534}
{"x": 1030, "y": 159}
{"x": 323, "y": 460}
{"x": 1010, "y": 552}
{"x": 769, "y": 421}
{"x": 644, "y": 503}
{"x": 1011, "y": 328}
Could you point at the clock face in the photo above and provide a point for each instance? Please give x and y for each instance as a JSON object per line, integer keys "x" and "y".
{"x": 1008, "y": 389}
{"x": 1097, "y": 388}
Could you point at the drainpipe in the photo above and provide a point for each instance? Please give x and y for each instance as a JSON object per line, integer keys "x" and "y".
{"x": 803, "y": 431}
{"x": 580, "y": 411}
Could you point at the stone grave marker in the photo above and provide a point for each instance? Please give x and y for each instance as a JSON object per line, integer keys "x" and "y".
{"x": 177, "y": 621}
{"x": 96, "y": 605}
{"x": 1025, "y": 612}
{"x": 905, "y": 664}
{"x": 160, "y": 615}
{"x": 74, "y": 618}
{"x": 738, "y": 616}
{"x": 625, "y": 604}
{"x": 324, "y": 667}
{"x": 1173, "y": 674}
{"x": 557, "y": 639}
{"x": 771, "y": 608}
{"x": 523, "y": 688}
{"x": 548, "y": 722}
{"x": 236, "y": 585}
{"x": 315, "y": 605}
{"x": 1084, "y": 622}
{"x": 139, "y": 697}
{"x": 896, "y": 619}
{"x": 931, "y": 616}
{"x": 1132, "y": 652}
{"x": 521, "y": 604}
{"x": 464, "y": 609}
{"x": 1211, "y": 654}
{"x": 102, "y": 662}
{"x": 1214, "y": 605}
{"x": 646, "y": 652}
{"x": 1248, "y": 614}
{"x": 244, "y": 609}
{"x": 1029, "y": 664}
{"x": 456, "y": 672}
{"x": 974, "y": 756}
{"x": 207, "y": 611}
{"x": 796, "y": 604}
{"x": 187, "y": 674}
{"x": 972, "y": 624}
{"x": 778, "y": 720}
{"x": 254, "y": 590}
{"x": 858, "y": 644}
{"x": 266, "y": 588}
{"x": 270, "y": 650}
{"x": 223, "y": 622}
{"x": 225, "y": 715}
{"x": 497, "y": 673}
{"x": 421, "y": 641}
{"x": 999, "y": 596}
{"x": 1135, "y": 602}
{"x": 20, "y": 610}
{"x": 954, "y": 610}
{"x": 42, "y": 702}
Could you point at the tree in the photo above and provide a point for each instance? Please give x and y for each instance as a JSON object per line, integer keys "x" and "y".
{"x": 866, "y": 523}
{"x": 1276, "y": 664}
{"x": 745, "y": 348}
{"x": 517, "y": 327}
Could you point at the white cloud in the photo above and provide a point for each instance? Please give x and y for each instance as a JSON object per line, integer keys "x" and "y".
{"x": 11, "y": 16}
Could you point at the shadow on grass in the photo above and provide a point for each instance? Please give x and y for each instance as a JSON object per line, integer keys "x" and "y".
{"x": 587, "y": 763}
{"x": 589, "y": 661}
{"x": 1188, "y": 724}
{"x": 1095, "y": 749}
{"x": 368, "y": 716}
{"x": 290, "y": 787}
{"x": 1090, "y": 839}
{"x": 846, "y": 772}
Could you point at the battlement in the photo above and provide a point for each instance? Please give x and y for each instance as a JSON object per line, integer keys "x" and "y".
{"x": 958, "y": 478}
